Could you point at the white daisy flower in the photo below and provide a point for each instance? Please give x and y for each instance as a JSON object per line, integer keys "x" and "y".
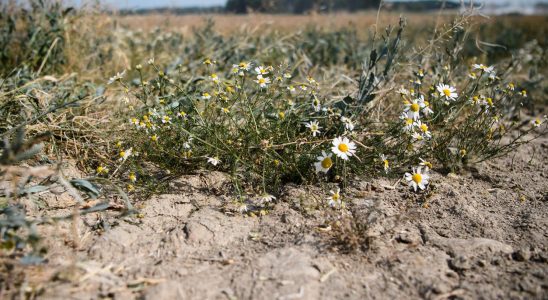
{"x": 408, "y": 122}
{"x": 487, "y": 102}
{"x": 208, "y": 62}
{"x": 385, "y": 162}
{"x": 423, "y": 128}
{"x": 214, "y": 78}
{"x": 483, "y": 68}
{"x": 426, "y": 109}
{"x": 449, "y": 92}
{"x": 243, "y": 207}
{"x": 213, "y": 160}
{"x": 262, "y": 81}
{"x": 403, "y": 91}
{"x": 314, "y": 127}
{"x": 235, "y": 69}
{"x": 343, "y": 147}
{"x": 125, "y": 154}
{"x": 316, "y": 105}
{"x": 418, "y": 179}
{"x": 425, "y": 164}
{"x": 348, "y": 124}
{"x": 414, "y": 106}
{"x": 117, "y": 77}
{"x": 206, "y": 96}
{"x": 417, "y": 136}
{"x": 476, "y": 100}
{"x": 244, "y": 66}
{"x": 291, "y": 89}
{"x": 335, "y": 199}
{"x": 324, "y": 162}
{"x": 166, "y": 119}
{"x": 132, "y": 177}
{"x": 265, "y": 198}
{"x": 260, "y": 70}
{"x": 287, "y": 75}
{"x": 536, "y": 122}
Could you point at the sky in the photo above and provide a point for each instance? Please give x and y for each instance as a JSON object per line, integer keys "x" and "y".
{"x": 204, "y": 3}
{"x": 163, "y": 3}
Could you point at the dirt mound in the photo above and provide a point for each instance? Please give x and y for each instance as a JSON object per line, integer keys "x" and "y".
{"x": 481, "y": 234}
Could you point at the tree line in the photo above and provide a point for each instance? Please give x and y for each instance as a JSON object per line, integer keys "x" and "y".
{"x": 298, "y": 6}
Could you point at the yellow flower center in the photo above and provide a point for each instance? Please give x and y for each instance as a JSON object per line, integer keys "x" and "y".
{"x": 408, "y": 121}
{"x": 424, "y": 127}
{"x": 262, "y": 80}
{"x": 417, "y": 178}
{"x": 490, "y": 101}
{"x": 428, "y": 164}
{"x": 343, "y": 148}
{"x": 327, "y": 163}
{"x": 386, "y": 164}
{"x": 314, "y": 127}
{"x": 336, "y": 197}
{"x": 415, "y": 107}
{"x": 447, "y": 92}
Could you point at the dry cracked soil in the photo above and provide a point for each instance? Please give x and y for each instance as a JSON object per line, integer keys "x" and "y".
{"x": 481, "y": 234}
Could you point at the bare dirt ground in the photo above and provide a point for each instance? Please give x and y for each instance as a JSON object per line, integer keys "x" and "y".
{"x": 482, "y": 234}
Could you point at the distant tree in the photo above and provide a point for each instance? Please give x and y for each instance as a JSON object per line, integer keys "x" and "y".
{"x": 298, "y": 6}
{"x": 236, "y": 6}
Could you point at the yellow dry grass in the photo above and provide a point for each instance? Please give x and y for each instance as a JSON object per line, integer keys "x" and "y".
{"x": 227, "y": 24}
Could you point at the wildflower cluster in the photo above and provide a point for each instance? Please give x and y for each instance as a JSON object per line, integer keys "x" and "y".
{"x": 248, "y": 118}
{"x": 271, "y": 123}
{"x": 460, "y": 125}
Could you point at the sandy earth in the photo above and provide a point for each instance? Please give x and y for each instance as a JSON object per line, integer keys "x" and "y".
{"x": 482, "y": 234}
